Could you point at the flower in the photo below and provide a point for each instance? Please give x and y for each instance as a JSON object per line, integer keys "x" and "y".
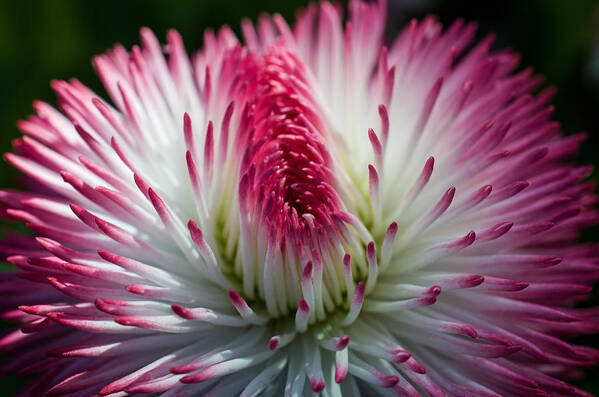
{"x": 310, "y": 211}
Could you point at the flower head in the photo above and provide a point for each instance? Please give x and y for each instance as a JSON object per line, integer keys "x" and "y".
{"x": 306, "y": 211}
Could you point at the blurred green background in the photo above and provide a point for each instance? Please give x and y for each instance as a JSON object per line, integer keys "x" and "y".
{"x": 41, "y": 40}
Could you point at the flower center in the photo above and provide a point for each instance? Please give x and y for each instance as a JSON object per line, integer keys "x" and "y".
{"x": 286, "y": 181}
{"x": 293, "y": 224}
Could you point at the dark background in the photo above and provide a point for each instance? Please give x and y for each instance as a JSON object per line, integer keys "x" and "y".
{"x": 41, "y": 40}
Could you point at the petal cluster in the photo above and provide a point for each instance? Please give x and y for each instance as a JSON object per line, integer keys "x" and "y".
{"x": 307, "y": 210}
